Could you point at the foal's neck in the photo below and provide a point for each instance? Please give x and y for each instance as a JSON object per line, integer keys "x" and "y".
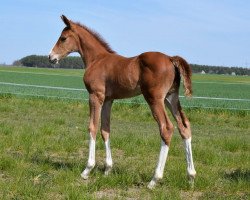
{"x": 90, "y": 48}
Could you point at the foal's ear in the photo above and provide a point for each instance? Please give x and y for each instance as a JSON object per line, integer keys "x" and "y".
{"x": 66, "y": 21}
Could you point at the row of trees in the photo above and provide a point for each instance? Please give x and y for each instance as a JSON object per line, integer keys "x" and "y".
{"x": 220, "y": 70}
{"x": 70, "y": 62}
{"x": 76, "y": 63}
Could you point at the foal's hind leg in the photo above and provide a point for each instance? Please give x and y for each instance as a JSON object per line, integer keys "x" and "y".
{"x": 173, "y": 103}
{"x": 105, "y": 131}
{"x": 166, "y": 131}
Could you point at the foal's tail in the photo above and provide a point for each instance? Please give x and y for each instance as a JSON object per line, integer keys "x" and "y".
{"x": 185, "y": 71}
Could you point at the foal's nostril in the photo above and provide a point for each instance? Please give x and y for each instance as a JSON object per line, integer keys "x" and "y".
{"x": 49, "y": 57}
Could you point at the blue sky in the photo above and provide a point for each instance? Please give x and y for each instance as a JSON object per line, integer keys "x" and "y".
{"x": 212, "y": 32}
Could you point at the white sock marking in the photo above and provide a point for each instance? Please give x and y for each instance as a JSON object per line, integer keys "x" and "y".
{"x": 190, "y": 165}
{"x": 109, "y": 162}
{"x": 91, "y": 160}
{"x": 160, "y": 166}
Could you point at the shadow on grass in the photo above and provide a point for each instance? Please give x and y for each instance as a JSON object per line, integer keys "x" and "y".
{"x": 125, "y": 176}
{"x": 238, "y": 174}
{"x": 116, "y": 170}
{"x": 54, "y": 163}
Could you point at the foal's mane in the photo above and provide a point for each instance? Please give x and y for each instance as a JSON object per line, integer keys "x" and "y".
{"x": 97, "y": 36}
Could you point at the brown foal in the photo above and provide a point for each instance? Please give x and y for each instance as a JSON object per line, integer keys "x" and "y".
{"x": 109, "y": 76}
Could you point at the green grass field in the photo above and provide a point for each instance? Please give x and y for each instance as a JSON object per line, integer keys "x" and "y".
{"x": 44, "y": 144}
{"x": 234, "y": 91}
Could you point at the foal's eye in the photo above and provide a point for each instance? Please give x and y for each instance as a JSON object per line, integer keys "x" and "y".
{"x": 62, "y": 39}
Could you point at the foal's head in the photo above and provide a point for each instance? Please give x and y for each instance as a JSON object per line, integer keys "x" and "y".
{"x": 66, "y": 44}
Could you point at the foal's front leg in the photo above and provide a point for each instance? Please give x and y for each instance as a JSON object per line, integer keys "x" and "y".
{"x": 95, "y": 104}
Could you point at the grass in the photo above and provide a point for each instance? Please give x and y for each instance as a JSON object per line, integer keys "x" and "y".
{"x": 55, "y": 71}
{"x": 44, "y": 148}
{"x": 222, "y": 86}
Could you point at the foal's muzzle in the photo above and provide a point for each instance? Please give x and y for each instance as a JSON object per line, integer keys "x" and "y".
{"x": 53, "y": 60}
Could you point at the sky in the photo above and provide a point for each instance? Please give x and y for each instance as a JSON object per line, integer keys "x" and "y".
{"x": 208, "y": 32}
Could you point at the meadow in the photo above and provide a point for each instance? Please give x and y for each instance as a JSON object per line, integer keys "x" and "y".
{"x": 44, "y": 142}
{"x": 210, "y": 91}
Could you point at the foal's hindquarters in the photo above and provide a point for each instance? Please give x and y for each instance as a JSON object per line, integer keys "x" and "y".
{"x": 159, "y": 84}
{"x": 160, "y": 87}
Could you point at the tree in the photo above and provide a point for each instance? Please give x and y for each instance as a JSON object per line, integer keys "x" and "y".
{"x": 43, "y": 62}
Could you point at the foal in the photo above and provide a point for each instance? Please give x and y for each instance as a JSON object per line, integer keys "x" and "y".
{"x": 109, "y": 76}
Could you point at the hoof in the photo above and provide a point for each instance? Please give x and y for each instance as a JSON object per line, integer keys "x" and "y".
{"x": 84, "y": 176}
{"x": 107, "y": 170}
{"x": 152, "y": 184}
{"x": 85, "y": 173}
{"x": 191, "y": 180}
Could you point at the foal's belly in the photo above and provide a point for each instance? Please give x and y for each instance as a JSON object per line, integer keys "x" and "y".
{"x": 122, "y": 93}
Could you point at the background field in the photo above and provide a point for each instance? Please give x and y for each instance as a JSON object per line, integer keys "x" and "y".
{"x": 44, "y": 142}
{"x": 216, "y": 91}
